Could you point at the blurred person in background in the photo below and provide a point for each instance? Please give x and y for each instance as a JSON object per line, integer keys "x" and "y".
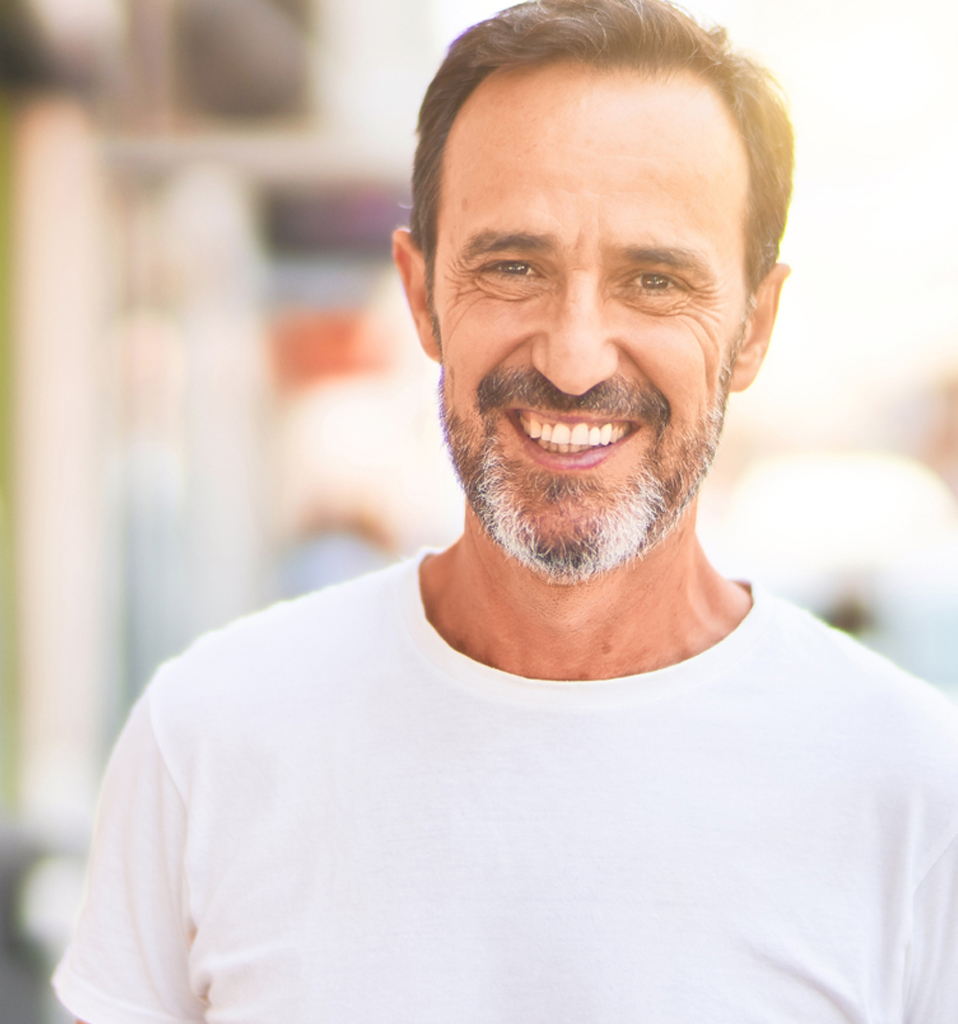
{"x": 563, "y": 770}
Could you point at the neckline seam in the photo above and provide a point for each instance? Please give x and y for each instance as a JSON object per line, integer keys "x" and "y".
{"x": 485, "y": 681}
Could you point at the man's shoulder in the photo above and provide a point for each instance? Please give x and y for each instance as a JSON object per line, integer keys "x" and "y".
{"x": 322, "y": 617}
{"x": 292, "y": 652}
{"x": 839, "y": 661}
{"x": 857, "y": 695}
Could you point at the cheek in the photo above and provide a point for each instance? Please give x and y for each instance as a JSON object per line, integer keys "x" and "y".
{"x": 483, "y": 336}
{"x": 682, "y": 361}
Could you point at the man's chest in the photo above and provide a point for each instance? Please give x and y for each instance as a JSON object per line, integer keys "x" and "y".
{"x": 534, "y": 889}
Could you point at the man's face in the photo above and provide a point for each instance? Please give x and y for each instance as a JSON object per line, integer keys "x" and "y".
{"x": 589, "y": 285}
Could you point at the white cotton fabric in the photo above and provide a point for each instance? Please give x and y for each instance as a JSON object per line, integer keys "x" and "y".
{"x": 325, "y": 815}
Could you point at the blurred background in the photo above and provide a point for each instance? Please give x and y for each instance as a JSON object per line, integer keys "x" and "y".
{"x": 211, "y": 396}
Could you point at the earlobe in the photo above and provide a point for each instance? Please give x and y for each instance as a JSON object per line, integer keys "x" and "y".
{"x": 758, "y": 332}
{"x": 411, "y": 264}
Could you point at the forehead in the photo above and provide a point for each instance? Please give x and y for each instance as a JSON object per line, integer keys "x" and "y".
{"x": 565, "y": 148}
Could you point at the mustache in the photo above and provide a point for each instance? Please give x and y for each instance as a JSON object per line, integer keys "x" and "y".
{"x": 614, "y": 399}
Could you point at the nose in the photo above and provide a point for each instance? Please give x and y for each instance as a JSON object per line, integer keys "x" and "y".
{"x": 575, "y": 350}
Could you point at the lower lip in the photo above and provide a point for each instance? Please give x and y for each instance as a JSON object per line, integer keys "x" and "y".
{"x": 562, "y": 460}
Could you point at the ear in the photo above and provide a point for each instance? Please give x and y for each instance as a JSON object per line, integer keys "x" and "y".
{"x": 411, "y": 264}
{"x": 758, "y": 332}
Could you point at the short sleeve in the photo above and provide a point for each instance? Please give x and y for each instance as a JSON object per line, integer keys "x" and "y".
{"x": 932, "y": 996}
{"x": 128, "y": 960}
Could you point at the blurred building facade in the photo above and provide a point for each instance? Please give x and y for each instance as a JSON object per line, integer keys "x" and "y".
{"x": 199, "y": 201}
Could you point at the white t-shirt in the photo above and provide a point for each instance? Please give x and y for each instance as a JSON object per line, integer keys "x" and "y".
{"x": 325, "y": 815}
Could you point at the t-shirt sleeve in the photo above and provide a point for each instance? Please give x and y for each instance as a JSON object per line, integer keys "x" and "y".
{"x": 932, "y": 996}
{"x": 128, "y": 960}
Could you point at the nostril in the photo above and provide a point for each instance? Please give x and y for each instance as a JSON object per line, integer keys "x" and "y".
{"x": 575, "y": 362}
{"x": 575, "y": 377}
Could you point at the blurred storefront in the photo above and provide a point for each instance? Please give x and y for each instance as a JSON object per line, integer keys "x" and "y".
{"x": 201, "y": 197}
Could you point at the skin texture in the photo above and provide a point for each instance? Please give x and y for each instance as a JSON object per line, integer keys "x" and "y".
{"x": 591, "y": 228}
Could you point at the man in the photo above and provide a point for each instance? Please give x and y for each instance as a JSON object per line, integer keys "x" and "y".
{"x": 563, "y": 771}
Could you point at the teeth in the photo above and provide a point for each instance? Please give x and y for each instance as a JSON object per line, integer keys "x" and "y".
{"x": 560, "y": 437}
{"x": 561, "y": 434}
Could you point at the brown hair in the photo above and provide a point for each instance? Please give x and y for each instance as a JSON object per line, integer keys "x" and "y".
{"x": 649, "y": 36}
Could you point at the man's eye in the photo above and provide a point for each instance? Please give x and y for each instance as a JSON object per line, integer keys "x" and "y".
{"x": 655, "y": 282}
{"x": 515, "y": 268}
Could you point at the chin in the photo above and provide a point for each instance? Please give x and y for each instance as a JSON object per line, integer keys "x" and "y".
{"x": 569, "y": 531}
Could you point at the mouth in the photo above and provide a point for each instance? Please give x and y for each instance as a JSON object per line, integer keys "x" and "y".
{"x": 570, "y": 437}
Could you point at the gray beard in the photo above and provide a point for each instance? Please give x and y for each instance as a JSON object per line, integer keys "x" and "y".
{"x": 566, "y": 529}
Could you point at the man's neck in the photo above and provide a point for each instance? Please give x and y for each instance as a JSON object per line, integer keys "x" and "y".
{"x": 657, "y": 611}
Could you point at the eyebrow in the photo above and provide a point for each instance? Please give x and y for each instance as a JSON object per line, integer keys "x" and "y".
{"x": 487, "y": 243}
{"x": 669, "y": 257}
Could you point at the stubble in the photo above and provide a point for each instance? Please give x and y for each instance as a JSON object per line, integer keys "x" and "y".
{"x": 570, "y": 528}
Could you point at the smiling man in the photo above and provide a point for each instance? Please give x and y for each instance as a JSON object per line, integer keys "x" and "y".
{"x": 583, "y": 275}
{"x": 563, "y": 771}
